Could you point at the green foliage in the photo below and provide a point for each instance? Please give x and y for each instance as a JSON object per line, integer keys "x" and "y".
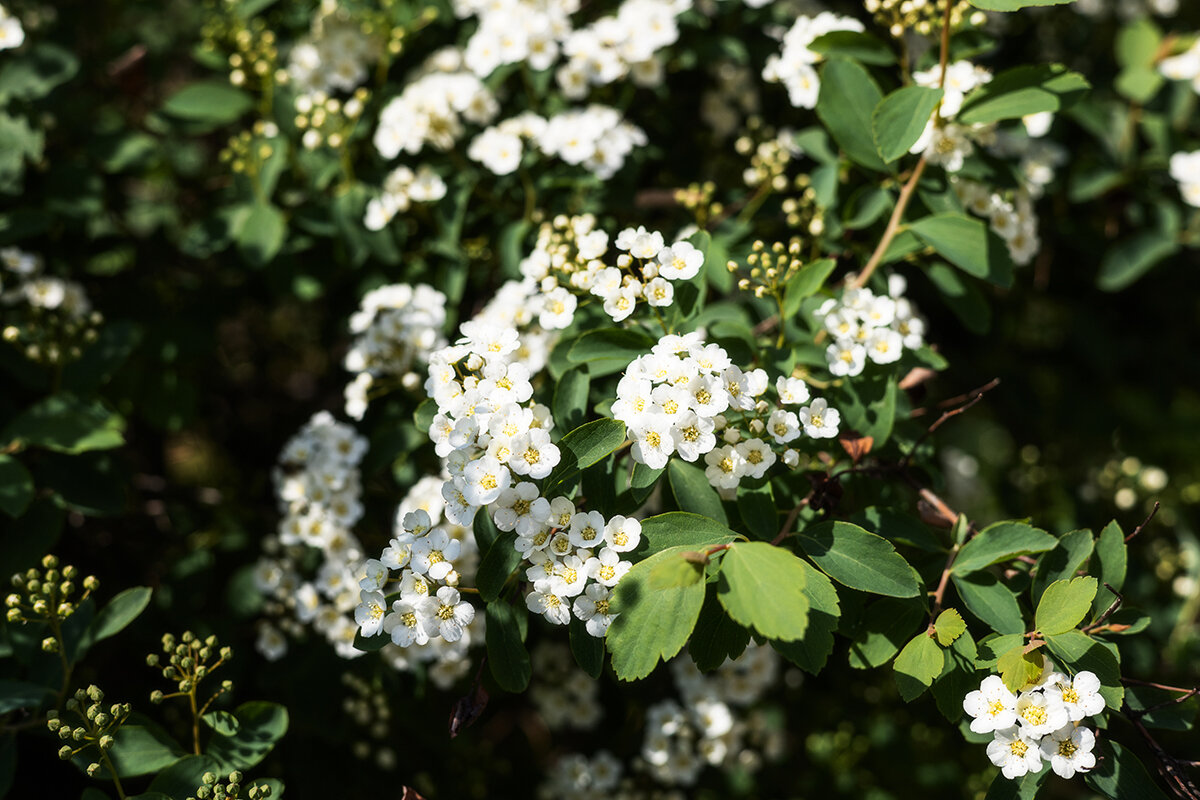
{"x": 917, "y": 666}
{"x": 261, "y": 725}
{"x": 762, "y": 587}
{"x": 507, "y": 657}
{"x": 67, "y": 424}
{"x": 693, "y": 492}
{"x": 1001, "y": 542}
{"x": 208, "y": 102}
{"x": 848, "y": 97}
{"x": 858, "y": 559}
{"x": 900, "y": 119}
{"x": 16, "y": 486}
{"x": 967, "y": 244}
{"x": 583, "y": 447}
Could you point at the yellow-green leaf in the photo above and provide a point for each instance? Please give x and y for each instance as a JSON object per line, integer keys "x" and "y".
{"x": 949, "y": 626}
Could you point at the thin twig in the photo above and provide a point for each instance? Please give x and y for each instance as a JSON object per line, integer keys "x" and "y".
{"x": 791, "y": 520}
{"x": 975, "y": 397}
{"x": 1145, "y": 522}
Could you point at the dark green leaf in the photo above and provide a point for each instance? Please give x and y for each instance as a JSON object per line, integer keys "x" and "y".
{"x": 1067, "y": 558}
{"x": 262, "y": 724}
{"x": 570, "y": 399}
{"x": 182, "y": 778}
{"x": 807, "y": 281}
{"x": 1001, "y": 542}
{"x": 990, "y": 601}
{"x": 261, "y": 233}
{"x": 497, "y": 565}
{"x": 16, "y": 486}
{"x": 1023, "y": 788}
{"x": 36, "y": 72}
{"x": 811, "y": 652}
{"x": 222, "y": 722}
{"x": 137, "y": 750}
{"x": 1121, "y": 775}
{"x": 67, "y": 424}
{"x": 642, "y": 481}
{"x": 19, "y": 694}
{"x": 717, "y": 637}
{"x": 1109, "y": 565}
{"x": 1014, "y": 5}
{"x": 608, "y": 350}
{"x": 587, "y": 649}
{"x": 758, "y": 511}
{"x": 114, "y": 617}
{"x": 583, "y": 447}
{"x": 858, "y": 559}
{"x": 507, "y": 657}
{"x": 888, "y": 624}
{"x": 967, "y": 244}
{"x": 847, "y": 98}
{"x": 209, "y": 101}
{"x": 680, "y": 528}
{"x": 1021, "y": 91}
{"x": 854, "y": 44}
{"x": 693, "y": 492}
{"x": 900, "y": 119}
{"x": 1132, "y": 257}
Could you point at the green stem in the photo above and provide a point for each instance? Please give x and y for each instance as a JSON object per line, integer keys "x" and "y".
{"x": 113, "y": 772}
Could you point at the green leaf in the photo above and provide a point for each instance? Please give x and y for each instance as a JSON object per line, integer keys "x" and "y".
{"x": 1137, "y": 43}
{"x": 262, "y": 724}
{"x": 858, "y": 559}
{"x": 967, "y": 244}
{"x": 1078, "y": 652}
{"x": 1109, "y": 564}
{"x": 1139, "y": 84}
{"x": 964, "y": 296}
{"x": 36, "y": 72}
{"x": 608, "y": 350}
{"x": 949, "y": 626}
{"x": 807, "y": 281}
{"x": 1024, "y": 90}
{"x": 571, "y": 399}
{"x": 19, "y": 694}
{"x": 67, "y": 424}
{"x": 1132, "y": 257}
{"x": 222, "y": 722}
{"x": 16, "y": 486}
{"x": 371, "y": 644}
{"x": 261, "y": 233}
{"x": 1023, "y": 788}
{"x": 1122, "y": 776}
{"x": 114, "y": 617}
{"x": 653, "y": 620}
{"x": 679, "y": 529}
{"x": 182, "y": 778}
{"x": 758, "y": 510}
{"x": 847, "y": 98}
{"x": 999, "y": 542}
{"x": 507, "y": 657}
{"x": 213, "y": 102}
{"x": 1018, "y": 669}
{"x": 583, "y": 447}
{"x": 888, "y": 624}
{"x": 19, "y": 143}
{"x": 917, "y": 666}
{"x": 642, "y": 481}
{"x": 900, "y": 119}
{"x": 497, "y": 565}
{"x": 717, "y": 637}
{"x": 1063, "y": 562}
{"x": 1064, "y": 604}
{"x": 762, "y": 587}
{"x": 854, "y": 44}
{"x": 957, "y": 678}
{"x": 693, "y": 492}
{"x": 812, "y": 652}
{"x": 137, "y": 750}
{"x": 587, "y": 649}
{"x": 990, "y": 601}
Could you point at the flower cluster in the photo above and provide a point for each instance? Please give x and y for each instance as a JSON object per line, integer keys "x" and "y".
{"x": 47, "y": 595}
{"x": 1184, "y": 66}
{"x": 51, "y": 318}
{"x": 564, "y": 695}
{"x": 432, "y": 108}
{"x": 336, "y": 56}
{"x": 1041, "y": 723}
{"x": 514, "y": 31}
{"x": 595, "y": 137}
{"x": 317, "y": 485}
{"x": 865, "y": 326}
{"x": 401, "y": 188}
{"x": 1185, "y": 169}
{"x": 11, "y": 33}
{"x": 397, "y": 328}
{"x": 620, "y": 45}
{"x": 794, "y": 65}
{"x": 97, "y": 726}
{"x": 1013, "y": 220}
{"x": 945, "y": 142}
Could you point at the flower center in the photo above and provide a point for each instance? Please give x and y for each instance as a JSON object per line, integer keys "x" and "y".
{"x": 1034, "y": 715}
{"x": 1066, "y": 748}
{"x": 1019, "y": 748}
{"x": 532, "y": 456}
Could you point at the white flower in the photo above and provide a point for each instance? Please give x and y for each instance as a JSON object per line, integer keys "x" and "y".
{"x": 622, "y": 534}
{"x": 520, "y": 508}
{"x": 846, "y": 358}
{"x": 653, "y": 443}
{"x": 884, "y": 345}
{"x": 592, "y": 608}
{"x": 724, "y": 467}
{"x": 375, "y": 575}
{"x": 680, "y": 262}
{"x": 1069, "y": 750}
{"x": 432, "y": 555}
{"x": 499, "y": 152}
{"x": 640, "y": 243}
{"x": 405, "y": 625}
{"x": 447, "y": 613}
{"x": 370, "y": 611}
{"x": 542, "y": 600}
{"x": 607, "y": 568}
{"x": 658, "y": 292}
{"x": 587, "y": 529}
{"x": 693, "y": 435}
{"x": 558, "y": 309}
{"x": 757, "y": 456}
{"x": 819, "y": 420}
{"x": 533, "y": 454}
{"x": 792, "y": 391}
{"x": 483, "y": 480}
{"x": 1038, "y": 714}
{"x": 783, "y": 426}
{"x": 1015, "y": 752}
{"x": 1081, "y": 696}
{"x": 992, "y": 706}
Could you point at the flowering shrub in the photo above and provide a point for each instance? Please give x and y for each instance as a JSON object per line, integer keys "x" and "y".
{"x": 569, "y": 338}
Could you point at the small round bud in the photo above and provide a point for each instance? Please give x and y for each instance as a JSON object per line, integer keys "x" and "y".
{"x": 235, "y": 777}
{"x": 93, "y": 768}
{"x": 50, "y": 644}
{"x": 94, "y": 693}
{"x": 106, "y": 742}
{"x": 152, "y": 660}
{"x": 50, "y": 561}
{"x": 208, "y": 778}
{"x": 90, "y": 583}
{"x": 157, "y": 696}
{"x": 64, "y": 752}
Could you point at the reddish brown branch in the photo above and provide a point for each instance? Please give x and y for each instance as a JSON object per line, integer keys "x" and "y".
{"x": 1145, "y": 522}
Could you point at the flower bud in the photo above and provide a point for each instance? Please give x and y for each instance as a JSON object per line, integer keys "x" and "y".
{"x": 157, "y": 696}
{"x": 106, "y": 742}
{"x": 64, "y": 752}
{"x": 50, "y": 644}
{"x": 90, "y": 583}
{"x": 93, "y": 768}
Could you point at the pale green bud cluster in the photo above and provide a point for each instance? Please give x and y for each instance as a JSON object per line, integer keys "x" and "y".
{"x": 189, "y": 660}
{"x": 230, "y": 788}
{"x": 48, "y": 595}
{"x": 97, "y": 725}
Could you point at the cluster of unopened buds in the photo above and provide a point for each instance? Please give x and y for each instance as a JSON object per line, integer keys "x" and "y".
{"x": 48, "y": 595}
{"x": 214, "y": 787}
{"x": 189, "y": 661}
{"x": 97, "y": 726}
{"x": 1038, "y": 724}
